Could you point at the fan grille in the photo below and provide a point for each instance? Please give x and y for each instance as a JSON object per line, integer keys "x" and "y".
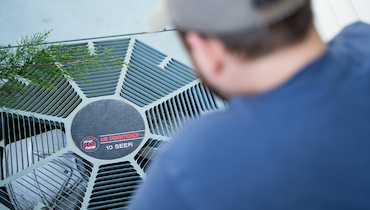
{"x": 146, "y": 155}
{"x": 102, "y": 83}
{"x": 59, "y": 184}
{"x": 146, "y": 82}
{"x": 27, "y": 140}
{"x": 114, "y": 186}
{"x": 148, "y": 53}
{"x": 60, "y": 102}
{"x": 164, "y": 91}
{"x": 166, "y": 118}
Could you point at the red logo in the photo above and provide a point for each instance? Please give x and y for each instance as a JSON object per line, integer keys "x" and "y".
{"x": 118, "y": 137}
{"x": 89, "y": 144}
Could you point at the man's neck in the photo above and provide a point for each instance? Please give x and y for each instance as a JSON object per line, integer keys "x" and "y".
{"x": 273, "y": 70}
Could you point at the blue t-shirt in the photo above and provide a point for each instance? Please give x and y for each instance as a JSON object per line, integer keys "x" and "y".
{"x": 303, "y": 145}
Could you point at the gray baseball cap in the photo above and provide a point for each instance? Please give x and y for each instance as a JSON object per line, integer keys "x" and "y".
{"x": 220, "y": 16}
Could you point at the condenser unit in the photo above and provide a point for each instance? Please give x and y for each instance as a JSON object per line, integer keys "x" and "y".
{"x": 88, "y": 145}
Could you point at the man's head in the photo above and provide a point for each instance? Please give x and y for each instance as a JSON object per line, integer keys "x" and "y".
{"x": 223, "y": 35}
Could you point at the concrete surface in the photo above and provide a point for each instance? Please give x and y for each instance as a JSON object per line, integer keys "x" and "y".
{"x": 79, "y": 19}
{"x": 71, "y": 20}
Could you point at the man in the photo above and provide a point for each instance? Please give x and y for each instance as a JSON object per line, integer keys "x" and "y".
{"x": 296, "y": 134}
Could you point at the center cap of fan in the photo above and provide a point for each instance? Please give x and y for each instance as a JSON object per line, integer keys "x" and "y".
{"x": 108, "y": 129}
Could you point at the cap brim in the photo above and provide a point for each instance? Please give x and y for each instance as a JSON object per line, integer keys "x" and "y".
{"x": 159, "y": 18}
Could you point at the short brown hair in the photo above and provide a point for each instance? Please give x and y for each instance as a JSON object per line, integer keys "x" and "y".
{"x": 265, "y": 40}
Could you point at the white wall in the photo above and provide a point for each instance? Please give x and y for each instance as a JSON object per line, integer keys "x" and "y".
{"x": 333, "y": 15}
{"x": 72, "y": 19}
{"x": 76, "y": 19}
{"x": 80, "y": 19}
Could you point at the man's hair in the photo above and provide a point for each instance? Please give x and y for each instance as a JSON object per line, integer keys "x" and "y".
{"x": 265, "y": 40}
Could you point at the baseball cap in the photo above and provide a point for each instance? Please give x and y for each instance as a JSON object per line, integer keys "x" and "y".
{"x": 220, "y": 16}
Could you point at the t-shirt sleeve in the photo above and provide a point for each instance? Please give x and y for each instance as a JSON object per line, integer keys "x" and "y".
{"x": 158, "y": 191}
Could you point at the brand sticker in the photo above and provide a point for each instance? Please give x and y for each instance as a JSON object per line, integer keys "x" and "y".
{"x": 90, "y": 144}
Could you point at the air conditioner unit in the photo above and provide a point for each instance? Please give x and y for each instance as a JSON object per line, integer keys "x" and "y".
{"x": 88, "y": 145}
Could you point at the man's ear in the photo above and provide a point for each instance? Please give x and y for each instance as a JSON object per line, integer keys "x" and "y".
{"x": 206, "y": 53}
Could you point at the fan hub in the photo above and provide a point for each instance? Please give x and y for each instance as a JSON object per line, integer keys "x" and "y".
{"x": 108, "y": 129}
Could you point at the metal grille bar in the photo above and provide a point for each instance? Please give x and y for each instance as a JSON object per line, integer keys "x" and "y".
{"x": 146, "y": 155}
{"x": 104, "y": 82}
{"x": 146, "y": 82}
{"x": 114, "y": 186}
{"x": 58, "y": 184}
{"x": 58, "y": 102}
{"x": 166, "y": 118}
{"x": 27, "y": 140}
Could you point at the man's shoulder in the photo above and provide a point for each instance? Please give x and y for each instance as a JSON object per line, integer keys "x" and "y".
{"x": 355, "y": 38}
{"x": 206, "y": 136}
{"x": 210, "y": 126}
{"x": 357, "y": 27}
